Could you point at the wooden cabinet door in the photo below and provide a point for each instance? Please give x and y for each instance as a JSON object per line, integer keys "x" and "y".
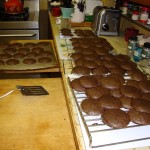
{"x": 143, "y": 2}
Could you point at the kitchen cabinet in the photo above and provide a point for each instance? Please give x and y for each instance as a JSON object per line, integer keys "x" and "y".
{"x": 142, "y": 2}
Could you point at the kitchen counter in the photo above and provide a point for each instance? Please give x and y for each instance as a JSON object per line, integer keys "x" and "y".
{"x": 35, "y": 122}
{"x": 119, "y": 45}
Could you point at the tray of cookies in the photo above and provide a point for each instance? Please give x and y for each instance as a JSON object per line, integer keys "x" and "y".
{"x": 27, "y": 55}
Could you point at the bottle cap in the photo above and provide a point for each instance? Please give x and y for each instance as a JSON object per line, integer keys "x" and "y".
{"x": 147, "y": 45}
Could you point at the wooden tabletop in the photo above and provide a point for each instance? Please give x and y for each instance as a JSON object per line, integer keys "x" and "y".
{"x": 35, "y": 122}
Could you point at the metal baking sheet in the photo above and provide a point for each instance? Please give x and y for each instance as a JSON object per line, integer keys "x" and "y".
{"x": 49, "y": 47}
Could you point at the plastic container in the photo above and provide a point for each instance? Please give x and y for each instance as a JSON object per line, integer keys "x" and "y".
{"x": 144, "y": 14}
{"x": 137, "y": 54}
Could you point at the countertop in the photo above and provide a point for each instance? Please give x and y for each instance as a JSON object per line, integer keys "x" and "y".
{"x": 35, "y": 122}
{"x": 118, "y": 43}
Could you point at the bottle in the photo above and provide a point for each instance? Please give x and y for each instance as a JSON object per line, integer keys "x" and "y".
{"x": 137, "y": 54}
{"x": 146, "y": 55}
{"x": 135, "y": 15}
{"x": 132, "y": 45}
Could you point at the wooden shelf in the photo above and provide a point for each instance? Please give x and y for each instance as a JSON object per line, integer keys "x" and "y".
{"x": 142, "y": 2}
{"x": 147, "y": 27}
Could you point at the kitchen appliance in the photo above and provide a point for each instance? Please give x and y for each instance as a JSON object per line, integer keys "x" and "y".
{"x": 106, "y": 21}
{"x": 20, "y": 26}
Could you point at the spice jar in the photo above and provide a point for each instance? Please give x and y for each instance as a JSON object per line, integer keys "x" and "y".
{"x": 144, "y": 13}
{"x": 135, "y": 15}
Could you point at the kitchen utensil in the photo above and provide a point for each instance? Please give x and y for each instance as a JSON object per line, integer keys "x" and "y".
{"x": 32, "y": 90}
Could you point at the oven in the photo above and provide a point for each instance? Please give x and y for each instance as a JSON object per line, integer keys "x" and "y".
{"x": 23, "y": 26}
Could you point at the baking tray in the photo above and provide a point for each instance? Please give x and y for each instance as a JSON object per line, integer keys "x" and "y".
{"x": 48, "y": 47}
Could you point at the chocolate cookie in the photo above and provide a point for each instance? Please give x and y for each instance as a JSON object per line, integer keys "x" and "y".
{"x": 44, "y": 60}
{"x": 75, "y": 84}
{"x": 130, "y": 91}
{"x": 29, "y": 45}
{"x": 116, "y": 118}
{"x": 76, "y": 56}
{"x": 19, "y": 55}
{"x": 29, "y": 61}
{"x": 109, "y": 102}
{"x": 126, "y": 102}
{"x": 12, "y": 62}
{"x": 145, "y": 86}
{"x": 115, "y": 93}
{"x": 141, "y": 105}
{"x": 88, "y": 81}
{"x": 80, "y": 70}
{"x": 96, "y": 92}
{"x": 138, "y": 117}
{"x": 100, "y": 70}
{"x": 110, "y": 83}
{"x": 133, "y": 83}
{"x": 90, "y": 107}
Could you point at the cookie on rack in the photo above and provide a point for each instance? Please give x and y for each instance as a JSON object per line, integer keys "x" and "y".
{"x": 115, "y": 118}
{"x": 90, "y": 107}
{"x": 138, "y": 117}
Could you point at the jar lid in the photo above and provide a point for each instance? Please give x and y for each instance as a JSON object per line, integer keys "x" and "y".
{"x": 147, "y": 45}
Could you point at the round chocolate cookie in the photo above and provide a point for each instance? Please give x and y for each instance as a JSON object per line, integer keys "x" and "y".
{"x": 115, "y": 93}
{"x": 130, "y": 91}
{"x": 146, "y": 96}
{"x": 108, "y": 57}
{"x": 116, "y": 118}
{"x": 102, "y": 51}
{"x": 37, "y": 49}
{"x": 2, "y": 62}
{"x": 145, "y": 86}
{"x": 96, "y": 92}
{"x": 12, "y": 62}
{"x": 117, "y": 70}
{"x": 76, "y": 56}
{"x": 141, "y": 105}
{"x": 75, "y": 85}
{"x": 75, "y": 44}
{"x": 84, "y": 45}
{"x": 88, "y": 81}
{"x": 29, "y": 45}
{"x": 110, "y": 64}
{"x": 133, "y": 83}
{"x": 23, "y": 50}
{"x": 4, "y": 45}
{"x": 44, "y": 60}
{"x": 91, "y": 57}
{"x": 138, "y": 75}
{"x": 19, "y": 55}
{"x": 109, "y": 102}
{"x": 110, "y": 83}
{"x": 100, "y": 70}
{"x": 80, "y": 70}
{"x": 122, "y": 58}
{"x": 90, "y": 107}
{"x": 126, "y": 102}
{"x": 118, "y": 77}
{"x": 5, "y": 56}
{"x": 128, "y": 65}
{"x": 31, "y": 54}
{"x": 87, "y": 51}
{"x": 9, "y": 50}
{"x": 16, "y": 45}
{"x": 138, "y": 117}
{"x": 29, "y": 61}
{"x": 41, "y": 44}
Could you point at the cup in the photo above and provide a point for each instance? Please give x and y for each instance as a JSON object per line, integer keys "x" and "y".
{"x": 66, "y": 12}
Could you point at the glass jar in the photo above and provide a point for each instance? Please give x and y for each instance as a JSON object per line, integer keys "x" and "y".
{"x": 144, "y": 13}
{"x": 145, "y": 62}
{"x": 135, "y": 15}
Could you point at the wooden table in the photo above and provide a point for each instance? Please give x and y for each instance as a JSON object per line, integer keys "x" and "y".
{"x": 35, "y": 122}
